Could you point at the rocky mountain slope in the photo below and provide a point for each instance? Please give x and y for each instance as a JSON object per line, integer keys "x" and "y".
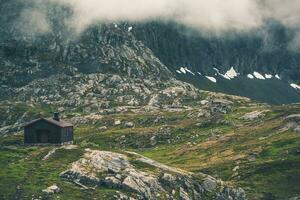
{"x": 240, "y": 143}
{"x": 265, "y": 52}
{"x": 29, "y": 51}
{"x": 177, "y": 46}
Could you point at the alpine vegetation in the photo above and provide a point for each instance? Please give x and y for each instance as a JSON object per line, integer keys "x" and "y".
{"x": 149, "y": 100}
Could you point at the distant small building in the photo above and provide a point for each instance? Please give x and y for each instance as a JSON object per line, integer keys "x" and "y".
{"x": 48, "y": 131}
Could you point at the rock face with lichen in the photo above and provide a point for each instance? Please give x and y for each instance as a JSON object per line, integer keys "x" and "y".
{"x": 52, "y": 189}
{"x": 293, "y": 122}
{"x": 254, "y": 115}
{"x": 154, "y": 181}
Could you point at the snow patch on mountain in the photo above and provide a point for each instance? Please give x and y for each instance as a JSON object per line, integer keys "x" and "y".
{"x": 268, "y": 76}
{"x": 295, "y": 86}
{"x": 183, "y": 70}
{"x": 231, "y": 73}
{"x": 218, "y": 73}
{"x": 212, "y": 79}
{"x": 258, "y": 76}
{"x": 225, "y": 76}
{"x": 189, "y": 71}
{"x": 250, "y": 76}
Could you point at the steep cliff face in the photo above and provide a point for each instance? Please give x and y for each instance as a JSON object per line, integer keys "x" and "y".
{"x": 264, "y": 66}
{"x": 264, "y": 51}
{"x": 26, "y": 55}
{"x": 105, "y": 65}
{"x": 102, "y": 49}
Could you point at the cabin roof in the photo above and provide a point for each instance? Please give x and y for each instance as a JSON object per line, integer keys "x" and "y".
{"x": 60, "y": 123}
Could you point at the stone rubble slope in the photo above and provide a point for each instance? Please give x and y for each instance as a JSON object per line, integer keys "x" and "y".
{"x": 103, "y": 91}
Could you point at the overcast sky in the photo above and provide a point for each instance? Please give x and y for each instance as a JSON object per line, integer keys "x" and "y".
{"x": 203, "y": 14}
{"x": 210, "y": 16}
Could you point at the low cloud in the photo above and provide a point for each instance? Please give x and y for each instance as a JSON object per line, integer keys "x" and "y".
{"x": 33, "y": 19}
{"x": 286, "y": 12}
{"x": 207, "y": 16}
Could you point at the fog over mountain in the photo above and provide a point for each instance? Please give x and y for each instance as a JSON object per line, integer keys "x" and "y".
{"x": 248, "y": 36}
{"x": 209, "y": 17}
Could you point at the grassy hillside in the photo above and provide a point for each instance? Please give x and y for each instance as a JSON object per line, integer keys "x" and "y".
{"x": 260, "y": 155}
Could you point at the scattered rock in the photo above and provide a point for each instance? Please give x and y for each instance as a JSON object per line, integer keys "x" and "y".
{"x": 52, "y": 189}
{"x": 113, "y": 181}
{"x": 293, "y": 122}
{"x": 49, "y": 154}
{"x": 168, "y": 177}
{"x": 252, "y": 157}
{"x": 204, "y": 102}
{"x": 236, "y": 168}
{"x": 222, "y": 106}
{"x": 183, "y": 194}
{"x": 61, "y": 109}
{"x": 294, "y": 117}
{"x": 102, "y": 128}
{"x": 117, "y": 122}
{"x": 153, "y": 141}
{"x": 173, "y": 192}
{"x": 231, "y": 194}
{"x": 129, "y": 124}
{"x": 209, "y": 184}
{"x": 122, "y": 196}
{"x": 254, "y": 115}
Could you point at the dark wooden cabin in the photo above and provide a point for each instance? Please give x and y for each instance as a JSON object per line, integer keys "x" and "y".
{"x": 48, "y": 131}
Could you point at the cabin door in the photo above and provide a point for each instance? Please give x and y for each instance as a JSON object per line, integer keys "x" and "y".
{"x": 42, "y": 136}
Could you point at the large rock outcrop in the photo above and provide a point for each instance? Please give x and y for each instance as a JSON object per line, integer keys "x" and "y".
{"x": 143, "y": 178}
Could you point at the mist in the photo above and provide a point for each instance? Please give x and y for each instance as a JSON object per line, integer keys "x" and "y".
{"x": 209, "y": 17}
{"x": 212, "y": 15}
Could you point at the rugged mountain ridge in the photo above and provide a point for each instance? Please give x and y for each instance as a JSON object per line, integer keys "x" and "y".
{"x": 265, "y": 51}
{"x": 106, "y": 63}
{"x": 150, "y": 50}
{"x": 177, "y": 45}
